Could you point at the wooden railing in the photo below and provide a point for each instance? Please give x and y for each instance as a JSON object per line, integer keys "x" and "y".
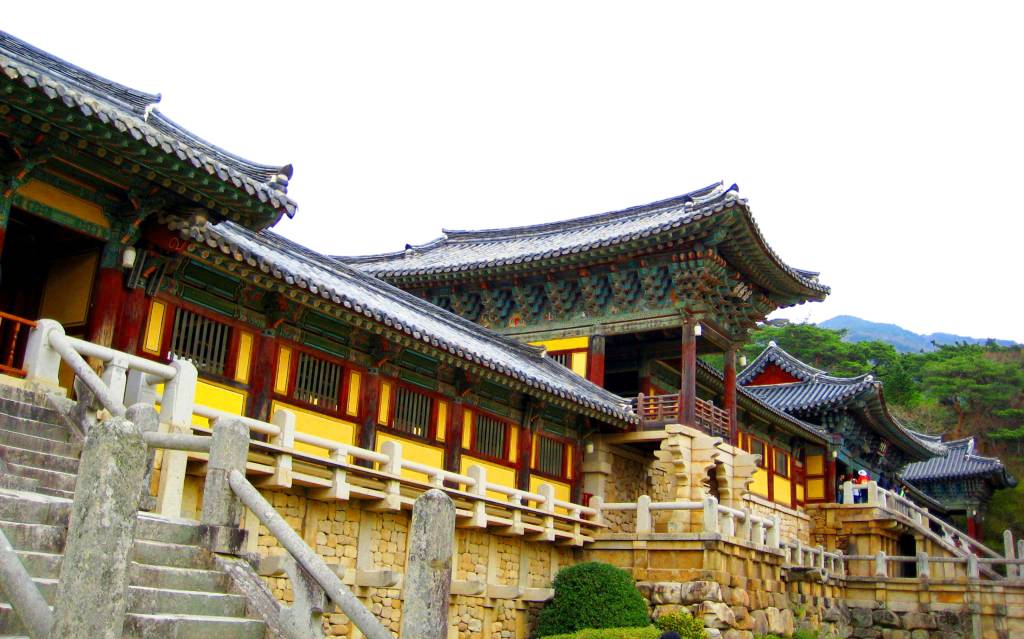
{"x": 658, "y": 410}
{"x": 129, "y": 379}
{"x": 13, "y": 337}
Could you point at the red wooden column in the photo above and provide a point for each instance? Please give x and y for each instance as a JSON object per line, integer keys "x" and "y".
{"x": 107, "y": 292}
{"x": 131, "y": 320}
{"x": 524, "y": 448}
{"x": 729, "y": 403}
{"x": 688, "y": 385}
{"x": 453, "y": 436}
{"x": 370, "y": 402}
{"x": 595, "y": 363}
{"x": 261, "y": 376}
{"x": 830, "y": 477}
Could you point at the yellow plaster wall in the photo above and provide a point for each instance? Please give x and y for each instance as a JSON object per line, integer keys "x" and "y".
{"x": 312, "y": 423}
{"x": 467, "y": 428}
{"x": 355, "y": 382}
{"x": 384, "y": 403}
{"x": 68, "y": 289}
{"x": 442, "y": 420}
{"x": 579, "y": 363}
{"x": 563, "y": 491}
{"x": 63, "y": 201}
{"x": 414, "y": 451}
{"x": 815, "y": 465}
{"x": 760, "y": 484}
{"x": 244, "y": 360}
{"x": 815, "y": 489}
{"x": 223, "y": 398}
{"x": 284, "y": 369}
{"x": 565, "y": 344}
{"x": 496, "y": 474}
{"x": 782, "y": 491}
{"x": 154, "y": 336}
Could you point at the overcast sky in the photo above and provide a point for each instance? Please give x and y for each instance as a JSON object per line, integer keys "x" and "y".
{"x": 879, "y": 143}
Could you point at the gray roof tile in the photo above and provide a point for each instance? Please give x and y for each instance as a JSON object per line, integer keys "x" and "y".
{"x": 321, "y": 275}
{"x": 958, "y": 461}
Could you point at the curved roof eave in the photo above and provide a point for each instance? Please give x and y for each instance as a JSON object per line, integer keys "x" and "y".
{"x": 458, "y": 252}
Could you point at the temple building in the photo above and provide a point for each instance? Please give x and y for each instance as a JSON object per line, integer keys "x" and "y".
{"x": 288, "y": 408}
{"x": 850, "y": 410}
{"x": 959, "y": 482}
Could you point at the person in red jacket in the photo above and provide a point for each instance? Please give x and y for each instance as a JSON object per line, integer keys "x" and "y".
{"x": 861, "y": 496}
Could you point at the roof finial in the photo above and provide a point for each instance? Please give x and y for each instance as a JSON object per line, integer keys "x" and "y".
{"x": 772, "y": 344}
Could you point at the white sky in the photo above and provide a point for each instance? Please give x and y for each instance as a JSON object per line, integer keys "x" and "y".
{"x": 879, "y": 143}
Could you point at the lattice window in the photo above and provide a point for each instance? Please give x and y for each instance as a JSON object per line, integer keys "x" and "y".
{"x": 781, "y": 463}
{"x": 490, "y": 436}
{"x": 200, "y": 339}
{"x": 564, "y": 358}
{"x": 550, "y": 456}
{"x": 412, "y": 412}
{"x": 317, "y": 382}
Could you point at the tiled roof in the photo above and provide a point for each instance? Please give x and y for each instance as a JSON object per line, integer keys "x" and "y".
{"x": 363, "y": 294}
{"x": 457, "y": 251}
{"x": 958, "y": 461}
{"x": 818, "y": 392}
{"x": 134, "y": 112}
{"x": 750, "y": 401}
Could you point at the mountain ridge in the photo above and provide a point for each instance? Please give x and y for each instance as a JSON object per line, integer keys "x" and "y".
{"x": 903, "y": 340}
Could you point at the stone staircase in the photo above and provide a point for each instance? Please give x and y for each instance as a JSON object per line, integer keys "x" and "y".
{"x": 176, "y": 591}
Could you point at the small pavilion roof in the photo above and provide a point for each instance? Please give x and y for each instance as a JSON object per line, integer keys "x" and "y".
{"x": 365, "y": 295}
{"x": 465, "y": 252}
{"x": 135, "y": 113}
{"x": 817, "y": 392}
{"x": 958, "y": 461}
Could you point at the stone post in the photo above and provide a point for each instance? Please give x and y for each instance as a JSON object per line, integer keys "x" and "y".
{"x": 222, "y": 509}
{"x": 848, "y": 492}
{"x": 42, "y": 362}
{"x": 429, "y": 575}
{"x": 923, "y": 566}
{"x": 775, "y": 532}
{"x": 146, "y": 421}
{"x": 228, "y": 452}
{"x": 176, "y": 416}
{"x": 710, "y": 515}
{"x": 93, "y": 592}
{"x": 1008, "y": 549}
{"x": 973, "y": 571}
{"x": 643, "y": 515}
{"x": 285, "y": 421}
{"x": 880, "y": 567}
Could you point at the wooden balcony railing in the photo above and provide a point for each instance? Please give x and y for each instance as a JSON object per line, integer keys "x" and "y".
{"x": 13, "y": 337}
{"x": 658, "y": 410}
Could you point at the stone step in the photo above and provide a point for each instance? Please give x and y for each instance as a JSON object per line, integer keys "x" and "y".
{"x": 35, "y": 537}
{"x": 45, "y": 565}
{"x": 47, "y": 478}
{"x": 172, "y": 578}
{"x": 41, "y": 444}
{"x": 37, "y": 410}
{"x": 157, "y": 553}
{"x": 17, "y": 482}
{"x": 30, "y": 508}
{"x": 25, "y": 396}
{"x": 138, "y": 626}
{"x": 39, "y": 428}
{"x": 185, "y": 602}
{"x": 154, "y": 528}
{"x": 55, "y": 492}
{"x": 37, "y": 459}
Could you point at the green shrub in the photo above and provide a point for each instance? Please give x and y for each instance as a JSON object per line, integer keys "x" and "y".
{"x": 650, "y": 632}
{"x": 768, "y": 636}
{"x": 807, "y": 633}
{"x": 592, "y": 595}
{"x": 683, "y": 623}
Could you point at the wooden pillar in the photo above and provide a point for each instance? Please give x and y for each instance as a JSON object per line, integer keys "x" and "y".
{"x": 595, "y": 363}
{"x": 729, "y": 403}
{"x": 370, "y": 401}
{"x": 261, "y": 376}
{"x": 130, "y": 321}
{"x": 576, "y": 462}
{"x": 972, "y": 527}
{"x": 107, "y": 293}
{"x": 524, "y": 452}
{"x": 453, "y": 436}
{"x": 688, "y": 383}
{"x": 830, "y": 477}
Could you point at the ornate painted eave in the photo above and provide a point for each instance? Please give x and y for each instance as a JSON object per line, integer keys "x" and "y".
{"x": 331, "y": 286}
{"x": 716, "y": 214}
{"x": 958, "y": 461}
{"x": 77, "y": 112}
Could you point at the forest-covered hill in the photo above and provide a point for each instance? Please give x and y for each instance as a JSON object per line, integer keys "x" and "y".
{"x": 904, "y": 341}
{"x": 960, "y": 389}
